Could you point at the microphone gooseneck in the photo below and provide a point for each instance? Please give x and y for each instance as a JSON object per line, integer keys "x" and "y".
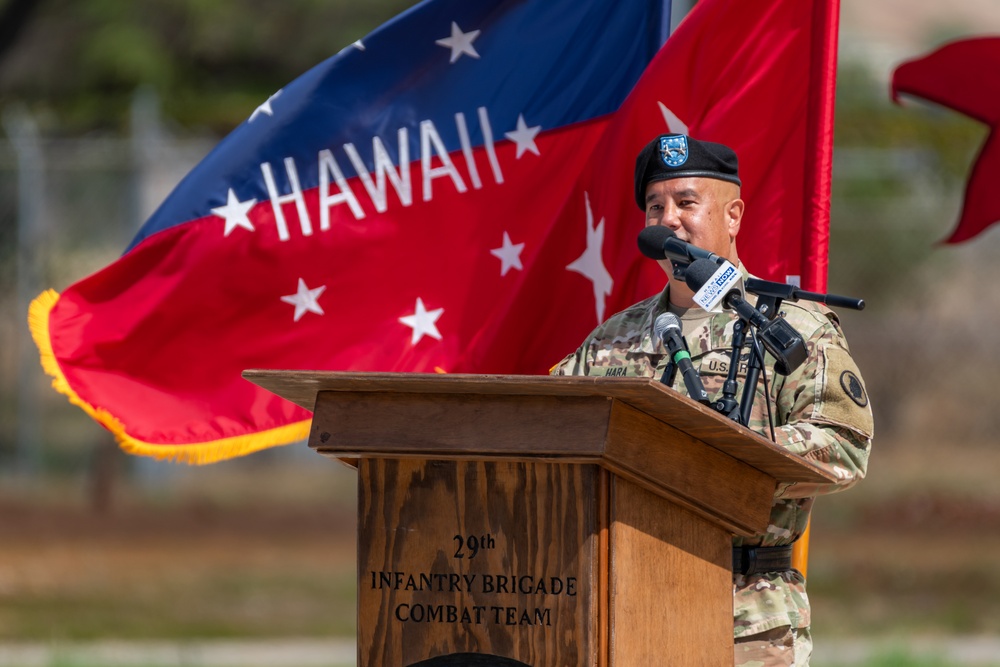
{"x": 715, "y": 281}
{"x": 779, "y": 337}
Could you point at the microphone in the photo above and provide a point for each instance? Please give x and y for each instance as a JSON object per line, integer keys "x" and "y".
{"x": 716, "y": 285}
{"x": 786, "y": 291}
{"x": 667, "y": 328}
{"x": 658, "y": 242}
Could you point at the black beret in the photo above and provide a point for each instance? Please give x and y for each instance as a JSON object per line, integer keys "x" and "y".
{"x": 679, "y": 156}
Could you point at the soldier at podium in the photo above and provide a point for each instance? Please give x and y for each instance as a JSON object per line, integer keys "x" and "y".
{"x": 820, "y": 410}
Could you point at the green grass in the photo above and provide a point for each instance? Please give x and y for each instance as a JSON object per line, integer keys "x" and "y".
{"x": 887, "y": 658}
{"x": 72, "y": 663}
{"x": 69, "y": 661}
{"x": 900, "y": 658}
{"x": 241, "y": 604}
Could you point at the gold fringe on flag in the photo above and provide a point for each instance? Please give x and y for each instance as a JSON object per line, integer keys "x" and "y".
{"x": 196, "y": 453}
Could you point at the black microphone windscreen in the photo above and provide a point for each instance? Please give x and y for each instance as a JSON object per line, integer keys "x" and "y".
{"x": 699, "y": 272}
{"x": 651, "y": 240}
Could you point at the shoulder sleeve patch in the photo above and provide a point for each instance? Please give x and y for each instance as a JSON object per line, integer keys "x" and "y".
{"x": 843, "y": 398}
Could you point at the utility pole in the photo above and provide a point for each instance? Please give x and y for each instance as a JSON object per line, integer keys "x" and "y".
{"x": 23, "y": 134}
{"x": 678, "y": 10}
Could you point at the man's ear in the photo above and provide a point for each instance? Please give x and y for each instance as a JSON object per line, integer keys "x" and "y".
{"x": 734, "y": 215}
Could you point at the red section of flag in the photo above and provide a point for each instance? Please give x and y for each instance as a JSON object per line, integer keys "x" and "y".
{"x": 964, "y": 76}
{"x": 748, "y": 75}
{"x": 504, "y": 272}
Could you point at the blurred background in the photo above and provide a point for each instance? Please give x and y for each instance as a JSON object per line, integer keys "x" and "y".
{"x": 111, "y": 559}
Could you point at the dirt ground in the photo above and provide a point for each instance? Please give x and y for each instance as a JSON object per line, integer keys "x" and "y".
{"x": 912, "y": 550}
{"x": 226, "y": 556}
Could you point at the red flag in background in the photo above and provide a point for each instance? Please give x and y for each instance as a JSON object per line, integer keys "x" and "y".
{"x": 759, "y": 77}
{"x": 452, "y": 193}
{"x": 964, "y": 76}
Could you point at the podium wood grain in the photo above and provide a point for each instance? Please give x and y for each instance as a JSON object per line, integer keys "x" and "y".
{"x": 585, "y": 429}
{"x": 644, "y": 394}
{"x": 669, "y": 578}
{"x": 529, "y": 593}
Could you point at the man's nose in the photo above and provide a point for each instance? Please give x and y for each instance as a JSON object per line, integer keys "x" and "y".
{"x": 671, "y": 219}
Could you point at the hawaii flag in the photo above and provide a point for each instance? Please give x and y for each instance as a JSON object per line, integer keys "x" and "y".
{"x": 452, "y": 193}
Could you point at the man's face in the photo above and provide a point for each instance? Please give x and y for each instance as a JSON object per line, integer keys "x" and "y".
{"x": 705, "y": 212}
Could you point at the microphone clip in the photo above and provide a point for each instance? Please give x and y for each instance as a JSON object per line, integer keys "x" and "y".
{"x": 680, "y": 270}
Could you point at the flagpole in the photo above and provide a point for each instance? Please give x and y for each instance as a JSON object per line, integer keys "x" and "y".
{"x": 818, "y": 175}
{"x": 819, "y": 144}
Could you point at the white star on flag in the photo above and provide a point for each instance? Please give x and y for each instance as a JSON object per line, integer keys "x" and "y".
{"x": 591, "y": 264}
{"x": 460, "y": 42}
{"x": 423, "y": 322}
{"x": 359, "y": 45}
{"x": 235, "y": 212}
{"x": 674, "y": 124}
{"x": 305, "y": 300}
{"x": 264, "y": 108}
{"x": 524, "y": 137}
{"x": 509, "y": 255}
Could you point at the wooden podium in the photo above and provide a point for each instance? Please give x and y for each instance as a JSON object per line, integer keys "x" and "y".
{"x": 542, "y": 521}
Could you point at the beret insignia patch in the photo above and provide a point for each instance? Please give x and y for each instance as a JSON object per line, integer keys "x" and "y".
{"x": 852, "y": 386}
{"x": 674, "y": 150}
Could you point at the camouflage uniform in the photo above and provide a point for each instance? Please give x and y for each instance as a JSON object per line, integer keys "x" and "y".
{"x": 821, "y": 412}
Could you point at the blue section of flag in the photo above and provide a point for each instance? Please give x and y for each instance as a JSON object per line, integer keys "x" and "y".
{"x": 556, "y": 62}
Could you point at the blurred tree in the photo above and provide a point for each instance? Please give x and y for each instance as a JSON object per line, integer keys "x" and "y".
{"x": 898, "y": 175}
{"x": 899, "y": 172}
{"x": 211, "y": 63}
{"x": 13, "y": 17}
